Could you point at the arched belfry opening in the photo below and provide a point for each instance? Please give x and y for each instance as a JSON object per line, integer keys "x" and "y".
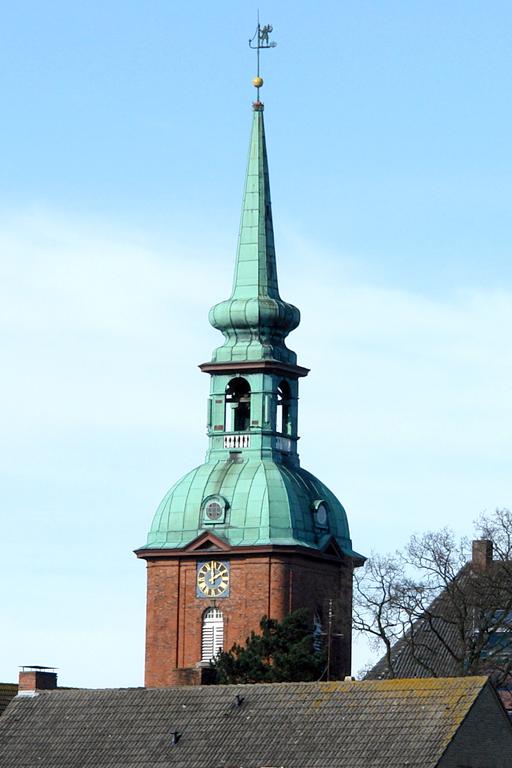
{"x": 238, "y": 405}
{"x": 212, "y": 634}
{"x": 284, "y": 398}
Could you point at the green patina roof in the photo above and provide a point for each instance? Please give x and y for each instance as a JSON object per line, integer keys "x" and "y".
{"x": 269, "y": 499}
{"x": 268, "y": 503}
{"x": 255, "y": 320}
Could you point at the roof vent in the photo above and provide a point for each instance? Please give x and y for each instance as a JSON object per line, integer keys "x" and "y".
{"x": 175, "y": 737}
{"x": 239, "y": 700}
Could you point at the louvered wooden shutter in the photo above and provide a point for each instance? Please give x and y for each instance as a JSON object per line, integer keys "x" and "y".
{"x": 213, "y": 634}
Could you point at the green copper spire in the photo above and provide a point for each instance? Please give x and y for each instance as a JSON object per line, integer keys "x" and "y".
{"x": 255, "y": 320}
{"x": 251, "y": 490}
{"x": 255, "y": 270}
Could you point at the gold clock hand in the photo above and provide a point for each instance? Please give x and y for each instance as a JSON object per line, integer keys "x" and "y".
{"x": 218, "y": 573}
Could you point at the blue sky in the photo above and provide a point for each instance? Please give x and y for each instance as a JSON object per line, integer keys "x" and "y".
{"x": 125, "y": 130}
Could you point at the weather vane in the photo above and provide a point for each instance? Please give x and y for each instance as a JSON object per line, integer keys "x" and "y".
{"x": 260, "y": 39}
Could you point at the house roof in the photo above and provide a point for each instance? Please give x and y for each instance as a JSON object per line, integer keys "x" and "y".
{"x": 304, "y": 725}
{"x": 434, "y": 645}
{"x": 7, "y": 692}
{"x": 426, "y": 651}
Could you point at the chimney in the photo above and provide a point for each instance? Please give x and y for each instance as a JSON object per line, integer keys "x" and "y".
{"x": 34, "y": 678}
{"x": 481, "y": 557}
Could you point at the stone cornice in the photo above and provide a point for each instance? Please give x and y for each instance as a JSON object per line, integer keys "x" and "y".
{"x": 273, "y": 366}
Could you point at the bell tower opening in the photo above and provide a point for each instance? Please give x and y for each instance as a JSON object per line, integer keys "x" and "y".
{"x": 238, "y": 405}
{"x": 283, "y": 420}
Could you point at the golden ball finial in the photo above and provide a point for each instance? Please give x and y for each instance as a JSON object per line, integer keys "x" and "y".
{"x": 257, "y": 82}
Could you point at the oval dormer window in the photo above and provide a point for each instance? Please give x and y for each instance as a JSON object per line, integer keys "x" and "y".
{"x": 321, "y": 514}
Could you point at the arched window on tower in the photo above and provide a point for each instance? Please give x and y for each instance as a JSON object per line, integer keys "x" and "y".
{"x": 238, "y": 405}
{"x": 284, "y": 396}
{"x": 212, "y": 635}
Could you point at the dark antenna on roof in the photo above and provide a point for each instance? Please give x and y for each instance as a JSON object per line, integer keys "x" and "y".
{"x": 329, "y": 635}
{"x": 175, "y": 737}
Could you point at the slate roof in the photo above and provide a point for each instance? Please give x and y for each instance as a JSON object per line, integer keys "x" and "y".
{"x": 426, "y": 650}
{"x": 428, "y": 655}
{"x": 292, "y": 725}
{"x": 7, "y": 692}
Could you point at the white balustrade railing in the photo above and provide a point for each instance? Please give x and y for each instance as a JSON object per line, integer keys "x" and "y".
{"x": 244, "y": 441}
{"x": 237, "y": 441}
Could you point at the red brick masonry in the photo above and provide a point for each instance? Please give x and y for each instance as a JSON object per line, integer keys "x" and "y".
{"x": 267, "y": 582}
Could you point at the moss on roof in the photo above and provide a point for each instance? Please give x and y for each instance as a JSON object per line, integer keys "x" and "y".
{"x": 304, "y": 725}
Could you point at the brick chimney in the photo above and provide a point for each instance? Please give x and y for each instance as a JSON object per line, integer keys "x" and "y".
{"x": 35, "y": 678}
{"x": 481, "y": 557}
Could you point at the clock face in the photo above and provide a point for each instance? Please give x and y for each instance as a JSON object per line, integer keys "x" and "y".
{"x": 213, "y": 579}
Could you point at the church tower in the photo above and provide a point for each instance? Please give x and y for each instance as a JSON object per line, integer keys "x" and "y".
{"x": 249, "y": 532}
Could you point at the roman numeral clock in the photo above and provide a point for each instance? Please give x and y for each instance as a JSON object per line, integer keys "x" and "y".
{"x": 212, "y": 579}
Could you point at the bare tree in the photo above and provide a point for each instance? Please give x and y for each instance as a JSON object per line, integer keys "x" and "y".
{"x": 433, "y": 611}
{"x": 377, "y": 608}
{"x": 498, "y": 529}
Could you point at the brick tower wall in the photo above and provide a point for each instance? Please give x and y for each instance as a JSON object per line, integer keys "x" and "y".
{"x": 260, "y": 584}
